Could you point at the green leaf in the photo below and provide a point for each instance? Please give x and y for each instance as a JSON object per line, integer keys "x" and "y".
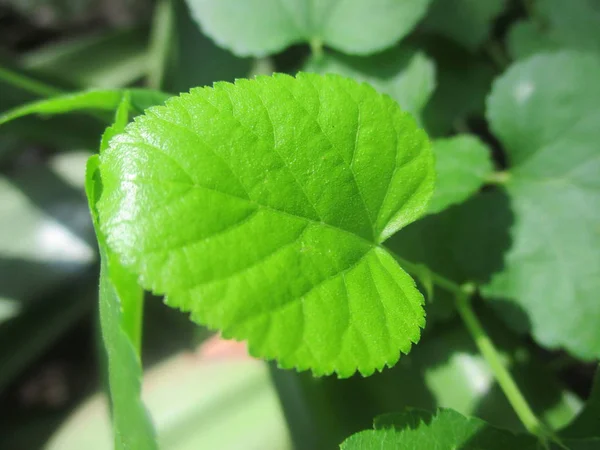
{"x": 557, "y": 24}
{"x": 120, "y": 299}
{"x": 467, "y": 22}
{"x": 446, "y": 430}
{"x": 587, "y": 423}
{"x": 260, "y": 208}
{"x": 462, "y": 165}
{"x": 261, "y": 27}
{"x": 545, "y": 113}
{"x": 97, "y": 100}
{"x": 406, "y": 75}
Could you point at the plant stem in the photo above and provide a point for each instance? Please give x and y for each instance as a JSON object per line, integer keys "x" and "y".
{"x": 316, "y": 48}
{"x": 498, "y": 177}
{"x": 437, "y": 279}
{"x": 28, "y": 84}
{"x": 503, "y": 377}
{"x": 160, "y": 42}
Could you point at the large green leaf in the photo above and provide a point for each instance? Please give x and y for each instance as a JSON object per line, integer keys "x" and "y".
{"x": 406, "y": 75}
{"x": 572, "y": 24}
{"x": 545, "y": 112}
{"x": 467, "y": 22}
{"x": 446, "y": 430}
{"x": 462, "y": 165}
{"x": 260, "y": 208}
{"x": 120, "y": 310}
{"x": 261, "y": 27}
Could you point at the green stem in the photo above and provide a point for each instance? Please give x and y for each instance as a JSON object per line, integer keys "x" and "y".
{"x": 503, "y": 377}
{"x": 486, "y": 347}
{"x": 316, "y": 48}
{"x": 437, "y": 279}
{"x": 160, "y": 42}
{"x": 28, "y": 84}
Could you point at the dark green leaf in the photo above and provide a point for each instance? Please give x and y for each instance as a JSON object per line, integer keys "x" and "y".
{"x": 572, "y": 24}
{"x": 467, "y": 22}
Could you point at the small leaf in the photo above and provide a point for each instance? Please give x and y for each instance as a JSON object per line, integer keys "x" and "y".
{"x": 467, "y": 22}
{"x": 98, "y": 100}
{"x": 557, "y": 25}
{"x": 545, "y": 112}
{"x": 120, "y": 296}
{"x": 260, "y": 208}
{"x": 462, "y": 165}
{"x": 261, "y": 27}
{"x": 446, "y": 430}
{"x": 406, "y": 75}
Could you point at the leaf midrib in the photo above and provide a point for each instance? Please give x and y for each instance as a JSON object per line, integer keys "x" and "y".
{"x": 256, "y": 204}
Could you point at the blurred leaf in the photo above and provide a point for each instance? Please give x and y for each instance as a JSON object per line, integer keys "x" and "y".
{"x": 262, "y": 27}
{"x": 444, "y": 430}
{"x": 587, "y": 424}
{"x": 120, "y": 313}
{"x": 196, "y": 402}
{"x": 467, "y": 22}
{"x": 462, "y": 164}
{"x": 98, "y": 100}
{"x": 556, "y": 24}
{"x": 545, "y": 112}
{"x": 196, "y": 60}
{"x": 406, "y": 75}
{"x": 463, "y": 81}
{"x": 109, "y": 60}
